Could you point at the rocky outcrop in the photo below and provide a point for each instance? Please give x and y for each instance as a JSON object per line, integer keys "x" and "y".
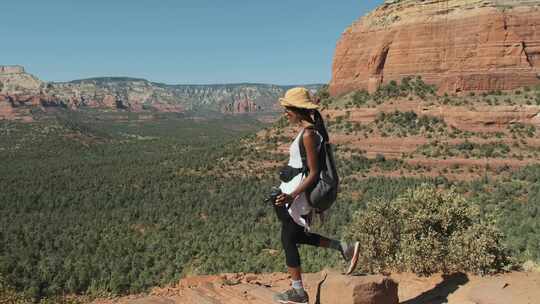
{"x": 373, "y": 289}
{"x": 14, "y": 80}
{"x": 15, "y": 108}
{"x": 481, "y": 118}
{"x": 458, "y": 45}
{"x": 6, "y": 110}
{"x": 512, "y": 287}
{"x": 259, "y": 289}
{"x": 486, "y": 118}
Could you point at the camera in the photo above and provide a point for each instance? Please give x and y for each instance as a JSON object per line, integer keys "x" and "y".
{"x": 271, "y": 198}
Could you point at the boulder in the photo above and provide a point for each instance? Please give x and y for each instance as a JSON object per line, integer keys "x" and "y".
{"x": 370, "y": 289}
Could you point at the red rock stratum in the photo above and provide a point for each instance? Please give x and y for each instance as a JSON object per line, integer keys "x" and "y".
{"x": 458, "y": 45}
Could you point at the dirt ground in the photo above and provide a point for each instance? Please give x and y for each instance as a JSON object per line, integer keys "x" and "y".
{"x": 507, "y": 288}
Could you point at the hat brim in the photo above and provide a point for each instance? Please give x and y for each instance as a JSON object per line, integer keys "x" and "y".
{"x": 298, "y": 104}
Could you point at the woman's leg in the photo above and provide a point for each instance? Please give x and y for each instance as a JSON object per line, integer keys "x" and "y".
{"x": 289, "y": 239}
{"x": 349, "y": 251}
{"x": 290, "y": 234}
{"x": 317, "y": 240}
{"x": 295, "y": 272}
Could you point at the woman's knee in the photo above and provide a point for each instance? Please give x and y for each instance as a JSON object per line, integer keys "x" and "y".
{"x": 288, "y": 241}
{"x": 292, "y": 256}
{"x": 293, "y": 263}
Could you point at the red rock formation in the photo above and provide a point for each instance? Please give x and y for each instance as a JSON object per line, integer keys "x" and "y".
{"x": 340, "y": 289}
{"x": 15, "y": 107}
{"x": 240, "y": 106}
{"x": 260, "y": 288}
{"x": 457, "y": 45}
{"x": 161, "y": 107}
{"x": 245, "y": 106}
{"x": 481, "y": 118}
{"x": 109, "y": 101}
{"x": 6, "y": 110}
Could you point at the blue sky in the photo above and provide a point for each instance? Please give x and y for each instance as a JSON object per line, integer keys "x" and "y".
{"x": 183, "y": 41}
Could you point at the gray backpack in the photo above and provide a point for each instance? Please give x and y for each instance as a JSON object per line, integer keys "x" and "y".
{"x": 323, "y": 193}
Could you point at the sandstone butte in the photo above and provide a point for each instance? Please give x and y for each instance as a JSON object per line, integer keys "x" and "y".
{"x": 458, "y": 45}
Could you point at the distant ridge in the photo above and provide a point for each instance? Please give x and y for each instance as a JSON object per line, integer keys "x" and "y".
{"x": 104, "y": 79}
{"x": 232, "y": 84}
{"x": 21, "y": 92}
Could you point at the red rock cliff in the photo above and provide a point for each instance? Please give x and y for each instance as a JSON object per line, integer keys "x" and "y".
{"x": 458, "y": 45}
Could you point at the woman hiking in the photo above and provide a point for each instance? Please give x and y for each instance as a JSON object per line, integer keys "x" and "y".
{"x": 292, "y": 207}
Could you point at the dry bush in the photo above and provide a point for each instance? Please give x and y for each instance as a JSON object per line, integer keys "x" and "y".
{"x": 426, "y": 231}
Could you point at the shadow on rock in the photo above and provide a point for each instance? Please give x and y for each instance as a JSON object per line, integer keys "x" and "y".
{"x": 439, "y": 294}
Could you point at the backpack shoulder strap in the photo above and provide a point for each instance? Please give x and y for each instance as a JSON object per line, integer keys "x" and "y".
{"x": 303, "y": 154}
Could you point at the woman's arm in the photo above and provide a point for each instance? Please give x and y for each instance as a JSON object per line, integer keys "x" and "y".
{"x": 310, "y": 143}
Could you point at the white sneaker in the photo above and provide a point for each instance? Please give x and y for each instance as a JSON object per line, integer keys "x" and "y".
{"x": 291, "y": 296}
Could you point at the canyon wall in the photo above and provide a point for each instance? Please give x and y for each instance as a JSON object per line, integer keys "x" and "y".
{"x": 20, "y": 92}
{"x": 458, "y": 45}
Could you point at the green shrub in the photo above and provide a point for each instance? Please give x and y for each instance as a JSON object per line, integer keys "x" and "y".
{"x": 426, "y": 231}
{"x": 391, "y": 90}
{"x": 360, "y": 97}
{"x": 522, "y": 129}
{"x": 378, "y": 235}
{"x": 408, "y": 123}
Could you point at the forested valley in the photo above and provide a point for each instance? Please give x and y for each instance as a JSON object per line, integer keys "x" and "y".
{"x": 102, "y": 207}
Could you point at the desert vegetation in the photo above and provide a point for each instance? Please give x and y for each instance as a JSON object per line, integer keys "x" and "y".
{"x": 426, "y": 231}
{"x": 408, "y": 88}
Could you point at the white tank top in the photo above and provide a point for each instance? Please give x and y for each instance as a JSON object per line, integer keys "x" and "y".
{"x": 300, "y": 206}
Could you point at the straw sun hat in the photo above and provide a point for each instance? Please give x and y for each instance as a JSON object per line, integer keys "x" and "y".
{"x": 298, "y": 98}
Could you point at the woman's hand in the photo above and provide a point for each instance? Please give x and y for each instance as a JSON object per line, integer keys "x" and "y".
{"x": 283, "y": 199}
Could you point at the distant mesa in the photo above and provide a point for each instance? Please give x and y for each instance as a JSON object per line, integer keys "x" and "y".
{"x": 458, "y": 45}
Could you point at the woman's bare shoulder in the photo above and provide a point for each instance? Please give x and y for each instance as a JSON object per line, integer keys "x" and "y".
{"x": 309, "y": 131}
{"x": 310, "y": 135}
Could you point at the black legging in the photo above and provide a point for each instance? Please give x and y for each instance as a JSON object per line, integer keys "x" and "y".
{"x": 293, "y": 234}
